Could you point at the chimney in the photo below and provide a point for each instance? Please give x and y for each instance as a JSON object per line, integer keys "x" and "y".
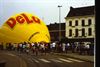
{"x": 55, "y": 22}
{"x": 71, "y": 8}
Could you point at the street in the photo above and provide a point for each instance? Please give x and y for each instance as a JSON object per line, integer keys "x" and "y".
{"x": 14, "y": 59}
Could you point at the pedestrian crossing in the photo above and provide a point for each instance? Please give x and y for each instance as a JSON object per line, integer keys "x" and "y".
{"x": 56, "y": 60}
{"x": 75, "y": 60}
{"x": 11, "y": 54}
{"x": 64, "y": 60}
{"x": 44, "y": 60}
{"x": 35, "y": 60}
{"x": 51, "y": 60}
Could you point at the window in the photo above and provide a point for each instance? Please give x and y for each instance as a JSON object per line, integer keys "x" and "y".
{"x": 89, "y": 31}
{"x": 83, "y": 23}
{"x": 70, "y": 32}
{"x": 83, "y": 32}
{"x": 70, "y": 23}
{"x": 89, "y": 22}
{"x": 76, "y": 32}
{"x": 76, "y": 23}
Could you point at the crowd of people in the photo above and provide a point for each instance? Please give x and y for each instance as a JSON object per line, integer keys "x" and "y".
{"x": 53, "y": 47}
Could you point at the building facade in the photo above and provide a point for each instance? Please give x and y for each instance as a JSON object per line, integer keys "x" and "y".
{"x": 80, "y": 24}
{"x": 54, "y": 31}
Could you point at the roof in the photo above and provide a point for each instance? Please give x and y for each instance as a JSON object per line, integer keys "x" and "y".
{"x": 55, "y": 26}
{"x": 81, "y": 11}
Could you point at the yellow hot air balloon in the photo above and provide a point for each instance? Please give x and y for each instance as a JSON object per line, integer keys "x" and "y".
{"x": 24, "y": 27}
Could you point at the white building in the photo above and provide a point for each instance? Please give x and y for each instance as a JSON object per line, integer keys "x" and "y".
{"x": 80, "y": 24}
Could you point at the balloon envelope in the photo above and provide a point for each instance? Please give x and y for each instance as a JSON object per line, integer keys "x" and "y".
{"x": 24, "y": 27}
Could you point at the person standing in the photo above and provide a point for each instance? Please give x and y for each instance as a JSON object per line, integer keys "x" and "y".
{"x": 82, "y": 48}
{"x": 53, "y": 46}
{"x": 27, "y": 51}
{"x": 67, "y": 47}
{"x": 87, "y": 47}
{"x": 33, "y": 48}
{"x": 63, "y": 47}
{"x": 36, "y": 49}
{"x": 1, "y": 46}
{"x": 73, "y": 47}
{"x": 42, "y": 47}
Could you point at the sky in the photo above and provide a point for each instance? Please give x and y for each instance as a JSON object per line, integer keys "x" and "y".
{"x": 47, "y": 10}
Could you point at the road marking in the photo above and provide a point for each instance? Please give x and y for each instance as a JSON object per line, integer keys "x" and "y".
{"x": 35, "y": 60}
{"x": 64, "y": 60}
{"x": 55, "y": 60}
{"x": 75, "y": 60}
{"x": 44, "y": 60}
{"x": 30, "y": 60}
{"x": 11, "y": 54}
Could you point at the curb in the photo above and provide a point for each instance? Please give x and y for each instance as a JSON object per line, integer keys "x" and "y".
{"x": 75, "y": 58}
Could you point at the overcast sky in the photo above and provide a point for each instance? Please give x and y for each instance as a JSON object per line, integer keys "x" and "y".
{"x": 44, "y": 9}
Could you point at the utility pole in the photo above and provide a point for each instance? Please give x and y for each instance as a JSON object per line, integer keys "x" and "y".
{"x": 59, "y": 6}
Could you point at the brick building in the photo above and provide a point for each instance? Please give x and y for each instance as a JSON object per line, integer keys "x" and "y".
{"x": 54, "y": 31}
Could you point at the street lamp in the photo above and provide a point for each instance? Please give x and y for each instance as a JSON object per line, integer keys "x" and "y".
{"x": 59, "y": 22}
